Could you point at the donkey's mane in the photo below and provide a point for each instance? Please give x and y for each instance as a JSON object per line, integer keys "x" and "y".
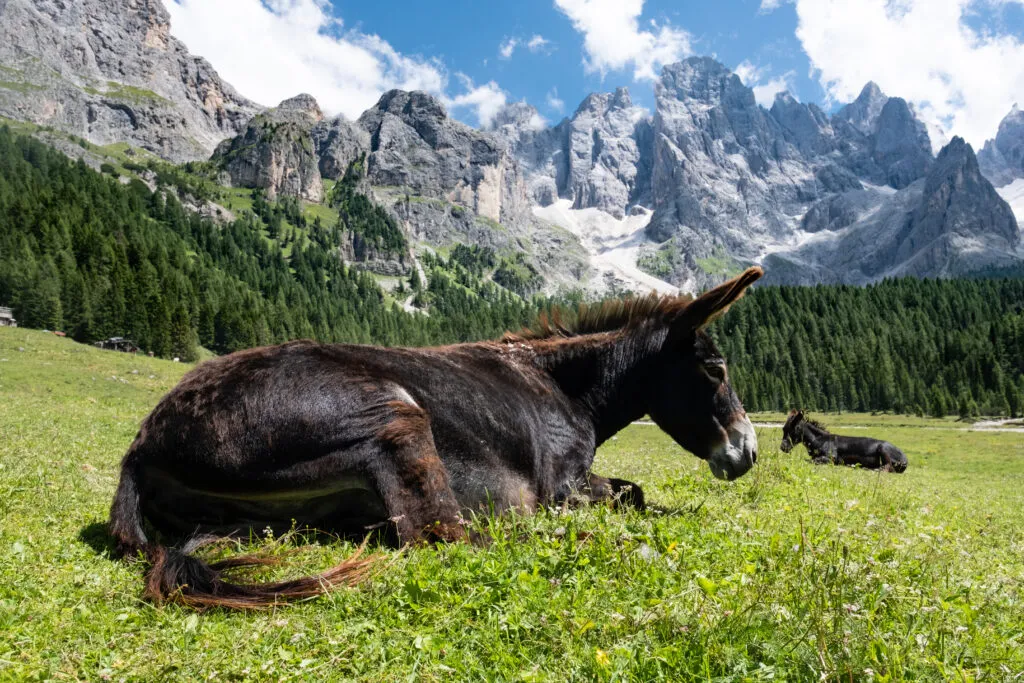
{"x": 606, "y": 316}
{"x": 815, "y": 423}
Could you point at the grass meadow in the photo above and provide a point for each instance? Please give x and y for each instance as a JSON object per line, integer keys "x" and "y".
{"x": 793, "y": 573}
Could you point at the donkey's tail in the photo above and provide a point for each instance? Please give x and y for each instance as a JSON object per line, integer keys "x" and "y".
{"x": 177, "y": 576}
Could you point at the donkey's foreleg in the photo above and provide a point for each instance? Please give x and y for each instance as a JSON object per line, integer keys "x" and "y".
{"x": 413, "y": 481}
{"x": 618, "y": 491}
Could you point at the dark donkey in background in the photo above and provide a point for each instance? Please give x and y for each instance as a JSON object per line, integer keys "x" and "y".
{"x": 825, "y": 448}
{"x": 340, "y": 438}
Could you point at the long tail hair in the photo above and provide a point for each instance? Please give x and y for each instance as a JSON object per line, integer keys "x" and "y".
{"x": 177, "y": 576}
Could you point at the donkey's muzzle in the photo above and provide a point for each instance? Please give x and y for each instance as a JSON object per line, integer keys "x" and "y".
{"x": 733, "y": 459}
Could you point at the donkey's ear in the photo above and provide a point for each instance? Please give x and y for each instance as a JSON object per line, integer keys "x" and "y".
{"x": 713, "y": 303}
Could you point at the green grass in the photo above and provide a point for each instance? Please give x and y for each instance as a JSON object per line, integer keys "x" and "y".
{"x": 795, "y": 572}
{"x": 128, "y": 93}
{"x": 720, "y": 264}
{"x": 123, "y": 151}
{"x": 22, "y": 87}
{"x": 237, "y": 199}
{"x": 328, "y": 216}
{"x": 23, "y": 127}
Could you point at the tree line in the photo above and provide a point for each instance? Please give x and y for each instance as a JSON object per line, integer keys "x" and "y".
{"x": 930, "y": 347}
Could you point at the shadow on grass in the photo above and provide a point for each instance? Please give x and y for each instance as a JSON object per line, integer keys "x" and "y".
{"x": 97, "y": 536}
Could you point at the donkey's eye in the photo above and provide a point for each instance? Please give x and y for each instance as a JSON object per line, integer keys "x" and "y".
{"x": 716, "y": 370}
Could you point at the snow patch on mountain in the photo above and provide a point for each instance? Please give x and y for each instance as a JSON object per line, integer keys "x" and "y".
{"x": 613, "y": 243}
{"x": 1014, "y": 196}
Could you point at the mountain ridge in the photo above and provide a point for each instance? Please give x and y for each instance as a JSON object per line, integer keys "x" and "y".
{"x": 706, "y": 183}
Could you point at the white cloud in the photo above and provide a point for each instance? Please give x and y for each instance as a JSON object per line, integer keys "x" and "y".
{"x": 508, "y": 47}
{"x": 748, "y": 73}
{"x": 769, "y": 6}
{"x": 485, "y": 100}
{"x": 612, "y": 39}
{"x": 922, "y": 50}
{"x": 274, "y": 49}
{"x": 555, "y": 102}
{"x": 536, "y": 43}
{"x": 764, "y": 92}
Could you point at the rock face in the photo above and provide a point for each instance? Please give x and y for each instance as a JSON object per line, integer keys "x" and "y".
{"x": 731, "y": 183}
{"x": 450, "y": 183}
{"x": 863, "y": 112}
{"x": 603, "y": 155}
{"x": 950, "y": 223}
{"x": 338, "y": 142}
{"x": 718, "y": 159}
{"x": 959, "y": 207}
{"x": 109, "y": 71}
{"x": 806, "y": 127}
{"x": 444, "y": 181}
{"x": 276, "y": 151}
{"x": 540, "y": 151}
{"x": 414, "y": 145}
{"x": 1002, "y": 159}
{"x": 597, "y": 158}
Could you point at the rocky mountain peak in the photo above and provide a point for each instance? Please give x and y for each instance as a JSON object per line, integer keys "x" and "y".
{"x": 276, "y": 151}
{"x": 601, "y": 103}
{"x": 805, "y": 126}
{"x": 302, "y": 105}
{"x": 621, "y": 98}
{"x": 901, "y": 146}
{"x": 961, "y": 218}
{"x": 414, "y": 106}
{"x": 956, "y": 167}
{"x": 697, "y": 78}
{"x": 864, "y": 111}
{"x": 701, "y": 100}
{"x": 110, "y": 71}
{"x": 870, "y": 93}
{"x": 418, "y": 110}
{"x": 1002, "y": 158}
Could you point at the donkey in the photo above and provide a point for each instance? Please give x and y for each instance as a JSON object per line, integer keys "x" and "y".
{"x": 342, "y": 438}
{"x": 825, "y": 448}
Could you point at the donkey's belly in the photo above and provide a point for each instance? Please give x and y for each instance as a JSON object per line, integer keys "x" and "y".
{"x": 345, "y": 504}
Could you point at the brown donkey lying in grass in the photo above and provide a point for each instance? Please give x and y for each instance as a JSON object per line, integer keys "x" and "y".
{"x": 340, "y": 438}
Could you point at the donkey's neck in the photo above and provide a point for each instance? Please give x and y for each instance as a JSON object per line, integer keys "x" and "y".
{"x": 610, "y": 375}
{"x": 812, "y": 434}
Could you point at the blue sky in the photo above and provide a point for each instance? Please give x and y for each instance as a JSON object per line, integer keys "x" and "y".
{"x": 468, "y": 37}
{"x": 959, "y": 62}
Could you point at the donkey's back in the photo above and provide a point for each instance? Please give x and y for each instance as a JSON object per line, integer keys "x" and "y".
{"x": 869, "y": 453}
{"x": 325, "y": 434}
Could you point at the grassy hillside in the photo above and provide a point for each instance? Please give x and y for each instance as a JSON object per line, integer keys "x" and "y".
{"x": 792, "y": 573}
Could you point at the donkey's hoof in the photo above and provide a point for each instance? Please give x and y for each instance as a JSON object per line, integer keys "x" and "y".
{"x": 628, "y": 493}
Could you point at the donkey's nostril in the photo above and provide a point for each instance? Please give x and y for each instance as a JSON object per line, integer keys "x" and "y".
{"x": 753, "y": 456}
